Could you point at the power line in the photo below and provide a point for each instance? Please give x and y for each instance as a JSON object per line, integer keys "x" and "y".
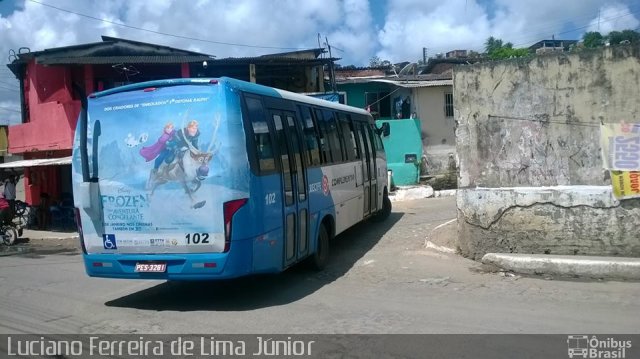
{"x": 9, "y": 109}
{"x": 619, "y": 15}
{"x": 622, "y": 14}
{"x": 8, "y": 88}
{"x": 9, "y": 83}
{"x": 586, "y": 26}
{"x": 163, "y": 33}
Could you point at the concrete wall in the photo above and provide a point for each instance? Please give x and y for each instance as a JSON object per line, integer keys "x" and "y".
{"x": 438, "y": 137}
{"x": 528, "y": 144}
{"x": 429, "y": 103}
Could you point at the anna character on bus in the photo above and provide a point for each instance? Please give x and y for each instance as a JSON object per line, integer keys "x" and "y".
{"x": 159, "y": 150}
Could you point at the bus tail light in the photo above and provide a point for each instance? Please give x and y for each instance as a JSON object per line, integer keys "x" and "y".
{"x": 230, "y": 208}
{"x": 76, "y": 213}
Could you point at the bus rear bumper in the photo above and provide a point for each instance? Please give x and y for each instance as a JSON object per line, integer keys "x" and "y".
{"x": 193, "y": 266}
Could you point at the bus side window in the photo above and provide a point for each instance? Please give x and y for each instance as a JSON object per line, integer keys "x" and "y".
{"x": 353, "y": 133}
{"x": 310, "y": 136}
{"x": 324, "y": 142}
{"x": 348, "y": 137}
{"x": 377, "y": 141}
{"x": 262, "y": 140}
{"x": 366, "y": 149}
{"x": 333, "y": 136}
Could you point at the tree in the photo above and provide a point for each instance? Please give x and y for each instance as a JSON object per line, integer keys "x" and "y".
{"x": 617, "y": 37}
{"x": 592, "y": 39}
{"x": 631, "y": 35}
{"x": 374, "y": 61}
{"x": 496, "y": 49}
{"x": 492, "y": 44}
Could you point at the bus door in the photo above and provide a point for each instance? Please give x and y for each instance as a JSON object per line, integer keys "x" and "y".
{"x": 374, "y": 168}
{"x": 366, "y": 159}
{"x": 294, "y": 186}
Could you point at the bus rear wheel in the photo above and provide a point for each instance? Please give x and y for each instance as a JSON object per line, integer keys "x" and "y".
{"x": 318, "y": 260}
{"x": 384, "y": 213}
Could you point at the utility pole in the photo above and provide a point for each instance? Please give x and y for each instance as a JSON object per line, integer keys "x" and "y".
{"x": 332, "y": 73}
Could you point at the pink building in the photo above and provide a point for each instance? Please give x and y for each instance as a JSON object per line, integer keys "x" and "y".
{"x": 53, "y": 81}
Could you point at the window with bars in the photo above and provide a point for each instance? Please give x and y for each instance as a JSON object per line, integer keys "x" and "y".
{"x": 448, "y": 105}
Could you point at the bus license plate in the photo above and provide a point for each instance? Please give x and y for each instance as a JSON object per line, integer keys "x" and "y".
{"x": 151, "y": 267}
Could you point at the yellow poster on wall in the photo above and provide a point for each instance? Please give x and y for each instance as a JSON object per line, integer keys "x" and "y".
{"x": 620, "y": 143}
{"x": 626, "y": 184}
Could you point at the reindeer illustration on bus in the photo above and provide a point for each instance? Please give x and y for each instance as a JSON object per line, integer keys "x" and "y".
{"x": 177, "y": 158}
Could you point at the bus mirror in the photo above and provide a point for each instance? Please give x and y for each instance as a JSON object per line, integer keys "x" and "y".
{"x": 386, "y": 129}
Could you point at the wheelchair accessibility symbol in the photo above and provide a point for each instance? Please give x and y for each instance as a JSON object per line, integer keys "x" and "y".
{"x": 109, "y": 241}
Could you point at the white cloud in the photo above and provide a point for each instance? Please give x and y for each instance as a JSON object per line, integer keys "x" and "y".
{"x": 441, "y": 26}
{"x": 409, "y": 25}
{"x": 612, "y": 17}
{"x": 278, "y": 25}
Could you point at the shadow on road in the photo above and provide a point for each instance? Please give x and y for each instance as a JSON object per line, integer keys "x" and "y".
{"x": 264, "y": 290}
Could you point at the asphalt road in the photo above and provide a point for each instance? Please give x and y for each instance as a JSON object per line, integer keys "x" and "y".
{"x": 381, "y": 279}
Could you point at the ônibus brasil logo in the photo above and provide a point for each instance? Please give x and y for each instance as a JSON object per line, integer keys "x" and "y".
{"x": 581, "y": 346}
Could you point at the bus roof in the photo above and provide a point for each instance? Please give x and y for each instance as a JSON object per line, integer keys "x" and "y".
{"x": 238, "y": 85}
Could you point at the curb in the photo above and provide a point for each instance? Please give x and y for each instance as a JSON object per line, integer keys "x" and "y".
{"x": 567, "y": 266}
{"x": 407, "y": 193}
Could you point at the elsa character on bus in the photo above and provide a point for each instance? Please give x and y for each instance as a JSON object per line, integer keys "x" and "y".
{"x": 159, "y": 150}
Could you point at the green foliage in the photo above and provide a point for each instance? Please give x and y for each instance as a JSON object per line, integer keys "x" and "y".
{"x": 496, "y": 49}
{"x": 592, "y": 39}
{"x": 492, "y": 44}
{"x": 508, "y": 52}
{"x": 617, "y": 37}
{"x": 631, "y": 35}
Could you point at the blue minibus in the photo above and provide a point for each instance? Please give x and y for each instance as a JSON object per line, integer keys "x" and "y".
{"x": 219, "y": 178}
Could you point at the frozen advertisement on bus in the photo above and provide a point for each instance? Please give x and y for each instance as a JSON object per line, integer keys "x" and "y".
{"x": 167, "y": 160}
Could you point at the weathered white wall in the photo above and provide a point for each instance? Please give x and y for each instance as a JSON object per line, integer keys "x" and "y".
{"x": 438, "y": 136}
{"x": 535, "y": 122}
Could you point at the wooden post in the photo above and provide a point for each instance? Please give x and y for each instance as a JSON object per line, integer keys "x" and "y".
{"x": 88, "y": 80}
{"x": 252, "y": 73}
{"x": 184, "y": 70}
{"x": 321, "y": 78}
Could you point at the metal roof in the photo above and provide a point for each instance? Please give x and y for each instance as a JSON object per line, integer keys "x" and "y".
{"x": 37, "y": 162}
{"x": 399, "y": 82}
{"x": 416, "y": 84}
{"x": 163, "y": 59}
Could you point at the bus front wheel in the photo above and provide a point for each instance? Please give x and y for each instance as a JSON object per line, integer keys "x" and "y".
{"x": 318, "y": 260}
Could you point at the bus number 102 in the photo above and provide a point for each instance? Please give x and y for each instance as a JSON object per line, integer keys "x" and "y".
{"x": 270, "y": 198}
{"x": 197, "y": 238}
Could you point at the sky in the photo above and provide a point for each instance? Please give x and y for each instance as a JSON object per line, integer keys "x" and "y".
{"x": 357, "y": 30}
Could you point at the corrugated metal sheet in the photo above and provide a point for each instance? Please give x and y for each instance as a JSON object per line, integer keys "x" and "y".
{"x": 37, "y": 162}
{"x": 164, "y": 59}
{"x": 417, "y": 84}
{"x": 173, "y": 59}
{"x": 401, "y": 83}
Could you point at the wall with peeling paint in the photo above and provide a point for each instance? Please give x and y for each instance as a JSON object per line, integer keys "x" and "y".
{"x": 534, "y": 123}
